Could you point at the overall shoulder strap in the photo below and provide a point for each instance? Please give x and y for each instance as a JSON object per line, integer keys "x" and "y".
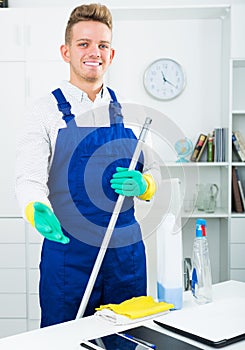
{"x": 113, "y": 95}
{"x": 115, "y": 109}
{"x": 63, "y": 105}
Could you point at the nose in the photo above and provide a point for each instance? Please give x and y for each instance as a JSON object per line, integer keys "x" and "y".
{"x": 94, "y": 51}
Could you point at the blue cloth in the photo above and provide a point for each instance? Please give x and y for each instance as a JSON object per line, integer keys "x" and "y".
{"x": 79, "y": 182}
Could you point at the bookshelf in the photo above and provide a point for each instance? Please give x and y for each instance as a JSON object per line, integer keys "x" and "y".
{"x": 237, "y": 123}
{"x": 230, "y": 224}
{"x": 237, "y": 114}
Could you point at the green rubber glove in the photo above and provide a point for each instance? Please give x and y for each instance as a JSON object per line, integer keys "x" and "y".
{"x": 47, "y": 223}
{"x": 128, "y": 182}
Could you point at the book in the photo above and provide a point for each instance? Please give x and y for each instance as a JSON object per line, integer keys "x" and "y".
{"x": 217, "y": 143}
{"x": 199, "y": 147}
{"x": 3, "y": 3}
{"x": 237, "y": 205}
{"x": 237, "y": 148}
{"x": 240, "y": 188}
{"x": 224, "y": 144}
{"x": 210, "y": 148}
{"x": 220, "y": 144}
{"x": 241, "y": 141}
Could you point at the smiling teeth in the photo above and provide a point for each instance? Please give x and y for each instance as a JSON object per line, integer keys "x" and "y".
{"x": 92, "y": 63}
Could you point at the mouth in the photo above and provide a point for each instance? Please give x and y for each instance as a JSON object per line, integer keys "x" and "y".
{"x": 92, "y": 63}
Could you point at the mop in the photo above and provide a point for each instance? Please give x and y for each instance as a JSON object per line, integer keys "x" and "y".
{"x": 112, "y": 224}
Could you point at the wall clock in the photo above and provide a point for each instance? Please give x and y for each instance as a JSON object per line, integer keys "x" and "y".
{"x": 164, "y": 79}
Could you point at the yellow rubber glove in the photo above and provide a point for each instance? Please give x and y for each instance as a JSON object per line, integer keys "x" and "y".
{"x": 44, "y": 221}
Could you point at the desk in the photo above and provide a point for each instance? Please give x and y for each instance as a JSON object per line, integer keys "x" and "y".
{"x": 68, "y": 335}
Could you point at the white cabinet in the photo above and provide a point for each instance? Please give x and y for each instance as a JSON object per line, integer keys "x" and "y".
{"x": 237, "y": 117}
{"x": 30, "y": 66}
{"x": 26, "y": 35}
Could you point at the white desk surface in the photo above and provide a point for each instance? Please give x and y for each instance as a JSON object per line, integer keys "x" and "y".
{"x": 68, "y": 335}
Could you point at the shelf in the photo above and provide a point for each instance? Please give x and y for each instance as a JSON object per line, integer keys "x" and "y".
{"x": 238, "y": 112}
{"x": 238, "y": 164}
{"x": 196, "y": 164}
{"x": 219, "y": 213}
{"x": 238, "y": 215}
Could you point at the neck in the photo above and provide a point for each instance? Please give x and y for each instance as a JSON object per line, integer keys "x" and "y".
{"x": 91, "y": 88}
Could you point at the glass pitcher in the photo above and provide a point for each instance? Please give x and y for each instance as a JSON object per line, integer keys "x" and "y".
{"x": 211, "y": 198}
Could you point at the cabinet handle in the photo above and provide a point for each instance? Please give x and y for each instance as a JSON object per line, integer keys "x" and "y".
{"x": 18, "y": 35}
{"x": 27, "y": 87}
{"x": 28, "y": 35}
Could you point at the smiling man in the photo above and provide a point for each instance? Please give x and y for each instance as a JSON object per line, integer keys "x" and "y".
{"x": 89, "y": 53}
{"x": 71, "y": 165}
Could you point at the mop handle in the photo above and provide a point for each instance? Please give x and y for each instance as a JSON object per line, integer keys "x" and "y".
{"x": 112, "y": 224}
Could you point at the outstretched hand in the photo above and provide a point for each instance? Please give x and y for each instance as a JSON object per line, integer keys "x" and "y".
{"x": 47, "y": 223}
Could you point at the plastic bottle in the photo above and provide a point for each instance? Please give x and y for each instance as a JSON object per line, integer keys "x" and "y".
{"x": 169, "y": 262}
{"x": 201, "y": 270}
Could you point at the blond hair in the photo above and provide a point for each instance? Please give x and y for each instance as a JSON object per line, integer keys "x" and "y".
{"x": 91, "y": 12}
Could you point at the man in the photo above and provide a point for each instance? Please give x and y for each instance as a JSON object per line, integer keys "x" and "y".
{"x": 72, "y": 163}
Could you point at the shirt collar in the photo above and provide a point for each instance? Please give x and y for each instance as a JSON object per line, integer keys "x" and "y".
{"x": 80, "y": 95}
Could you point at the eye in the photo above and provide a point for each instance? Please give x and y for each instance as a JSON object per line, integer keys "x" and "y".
{"x": 104, "y": 46}
{"x": 83, "y": 44}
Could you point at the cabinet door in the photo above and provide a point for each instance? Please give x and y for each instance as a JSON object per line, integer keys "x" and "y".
{"x": 11, "y": 35}
{"x": 13, "y": 306}
{"x": 237, "y": 248}
{"x": 12, "y": 326}
{"x": 45, "y": 32}
{"x": 12, "y": 244}
{"x": 12, "y": 281}
{"x": 12, "y": 87}
{"x": 12, "y": 230}
{"x": 36, "y": 74}
{"x": 237, "y": 231}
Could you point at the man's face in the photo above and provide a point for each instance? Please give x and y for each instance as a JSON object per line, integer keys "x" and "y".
{"x": 89, "y": 52}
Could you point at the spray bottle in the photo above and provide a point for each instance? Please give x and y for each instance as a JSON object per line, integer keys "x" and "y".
{"x": 201, "y": 269}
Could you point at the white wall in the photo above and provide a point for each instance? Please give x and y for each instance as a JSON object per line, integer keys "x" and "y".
{"x": 195, "y": 44}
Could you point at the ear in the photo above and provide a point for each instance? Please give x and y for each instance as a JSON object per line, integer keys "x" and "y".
{"x": 65, "y": 53}
{"x": 112, "y": 55}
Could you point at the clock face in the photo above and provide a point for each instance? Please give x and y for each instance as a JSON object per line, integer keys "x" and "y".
{"x": 164, "y": 79}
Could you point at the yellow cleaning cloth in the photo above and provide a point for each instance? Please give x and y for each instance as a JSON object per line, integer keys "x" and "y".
{"x": 138, "y": 307}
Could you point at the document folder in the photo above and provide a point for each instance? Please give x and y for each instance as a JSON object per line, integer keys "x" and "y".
{"x": 216, "y": 324}
{"x": 160, "y": 340}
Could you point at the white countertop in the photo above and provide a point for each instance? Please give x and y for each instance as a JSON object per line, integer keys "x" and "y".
{"x": 68, "y": 335}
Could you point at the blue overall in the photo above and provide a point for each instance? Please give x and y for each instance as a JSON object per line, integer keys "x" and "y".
{"x": 79, "y": 183}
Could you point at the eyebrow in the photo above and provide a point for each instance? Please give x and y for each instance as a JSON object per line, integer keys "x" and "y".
{"x": 101, "y": 41}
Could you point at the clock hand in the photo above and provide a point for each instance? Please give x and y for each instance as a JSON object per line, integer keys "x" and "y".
{"x": 167, "y": 81}
{"x": 163, "y": 76}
